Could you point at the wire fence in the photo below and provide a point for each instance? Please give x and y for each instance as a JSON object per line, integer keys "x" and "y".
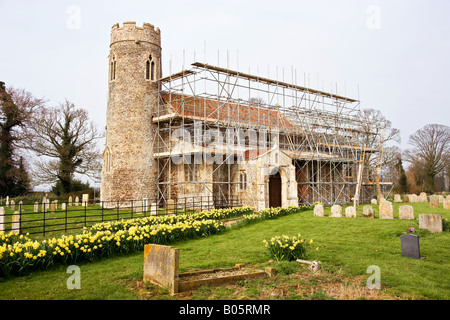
{"x": 60, "y": 217}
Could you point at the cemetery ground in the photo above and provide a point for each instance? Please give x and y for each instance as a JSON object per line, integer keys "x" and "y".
{"x": 347, "y": 247}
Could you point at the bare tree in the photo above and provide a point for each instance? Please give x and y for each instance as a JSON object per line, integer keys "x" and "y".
{"x": 17, "y": 107}
{"x": 430, "y": 152}
{"x": 66, "y": 140}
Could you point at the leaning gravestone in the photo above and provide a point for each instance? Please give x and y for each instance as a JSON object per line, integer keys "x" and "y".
{"x": 350, "y": 212}
{"x": 2, "y": 219}
{"x": 410, "y": 246}
{"x": 318, "y": 210}
{"x": 406, "y": 212}
{"x": 431, "y": 222}
{"x": 386, "y": 210}
{"x": 336, "y": 211}
{"x": 434, "y": 201}
{"x": 367, "y": 212}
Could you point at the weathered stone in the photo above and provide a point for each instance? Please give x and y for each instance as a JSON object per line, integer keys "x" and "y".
{"x": 77, "y": 201}
{"x": 413, "y": 198}
{"x": 161, "y": 265}
{"x": 434, "y": 201}
{"x": 410, "y": 246}
{"x": 318, "y": 210}
{"x": 36, "y": 207}
{"x": 13, "y": 205}
{"x": 138, "y": 206}
{"x": 63, "y": 206}
{"x": 271, "y": 271}
{"x": 406, "y": 212}
{"x": 85, "y": 200}
{"x": 447, "y": 203}
{"x": 386, "y": 210}
{"x": 336, "y": 211}
{"x": 15, "y": 226}
{"x": 405, "y": 199}
{"x": 7, "y": 201}
{"x": 367, "y": 212}
{"x": 2, "y": 219}
{"x": 21, "y": 206}
{"x": 431, "y": 222}
{"x": 423, "y": 197}
{"x": 350, "y": 212}
{"x": 153, "y": 209}
{"x": 54, "y": 206}
{"x": 170, "y": 207}
{"x": 441, "y": 198}
{"x": 397, "y": 198}
{"x": 70, "y": 202}
{"x": 374, "y": 201}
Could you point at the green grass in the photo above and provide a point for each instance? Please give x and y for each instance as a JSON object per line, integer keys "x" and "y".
{"x": 347, "y": 247}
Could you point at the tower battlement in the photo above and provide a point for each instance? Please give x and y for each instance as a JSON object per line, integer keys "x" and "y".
{"x": 131, "y": 32}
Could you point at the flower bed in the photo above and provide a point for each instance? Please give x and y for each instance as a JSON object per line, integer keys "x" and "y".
{"x": 287, "y": 248}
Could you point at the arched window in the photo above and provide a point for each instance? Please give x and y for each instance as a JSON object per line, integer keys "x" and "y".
{"x": 112, "y": 68}
{"x": 150, "y": 69}
{"x": 243, "y": 181}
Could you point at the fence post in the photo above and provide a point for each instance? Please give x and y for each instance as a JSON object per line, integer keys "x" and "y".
{"x": 20, "y": 218}
{"x": 131, "y": 209}
{"x": 118, "y": 203}
{"x": 65, "y": 220}
{"x": 85, "y": 212}
{"x": 43, "y": 224}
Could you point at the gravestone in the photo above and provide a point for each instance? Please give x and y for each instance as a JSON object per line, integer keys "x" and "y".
{"x": 63, "y": 206}
{"x": 414, "y": 198}
{"x": 434, "y": 201}
{"x": 54, "y": 206}
{"x": 36, "y": 207}
{"x": 170, "y": 206}
{"x": 405, "y": 199}
{"x": 13, "y": 205}
{"x": 431, "y": 222}
{"x": 70, "y": 201}
{"x": 386, "y": 211}
{"x": 410, "y": 246}
{"x": 423, "y": 197}
{"x": 15, "y": 226}
{"x": 161, "y": 265}
{"x": 336, "y": 211}
{"x": 350, "y": 212}
{"x": 318, "y": 210}
{"x": 20, "y": 206}
{"x": 45, "y": 206}
{"x": 447, "y": 203}
{"x": 153, "y": 209}
{"x": 441, "y": 198}
{"x": 367, "y": 212}
{"x": 85, "y": 199}
{"x": 77, "y": 201}
{"x": 145, "y": 204}
{"x": 2, "y": 219}
{"x": 7, "y": 201}
{"x": 138, "y": 205}
{"x": 374, "y": 201}
{"x": 397, "y": 198}
{"x": 406, "y": 212}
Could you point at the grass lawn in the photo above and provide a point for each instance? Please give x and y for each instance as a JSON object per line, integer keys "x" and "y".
{"x": 347, "y": 247}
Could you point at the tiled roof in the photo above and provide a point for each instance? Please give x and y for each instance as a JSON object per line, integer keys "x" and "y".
{"x": 227, "y": 112}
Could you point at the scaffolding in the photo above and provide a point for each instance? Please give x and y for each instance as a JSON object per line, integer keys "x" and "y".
{"x": 235, "y": 116}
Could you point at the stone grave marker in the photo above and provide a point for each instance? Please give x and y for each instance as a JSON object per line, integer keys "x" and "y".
{"x": 7, "y": 201}
{"x": 350, "y": 212}
{"x": 53, "y": 206}
{"x": 85, "y": 200}
{"x": 161, "y": 265}
{"x": 70, "y": 200}
{"x": 406, "y": 212}
{"x": 447, "y": 203}
{"x": 13, "y": 205}
{"x": 397, "y": 198}
{"x": 410, "y": 246}
{"x": 374, "y": 201}
{"x": 386, "y": 210}
{"x": 367, "y": 212}
{"x": 77, "y": 201}
{"x": 441, "y": 198}
{"x": 145, "y": 204}
{"x": 431, "y": 222}
{"x": 318, "y": 210}
{"x": 63, "y": 206}
{"x": 15, "y": 226}
{"x": 170, "y": 206}
{"x": 2, "y": 219}
{"x": 36, "y": 207}
{"x": 20, "y": 206}
{"x": 153, "y": 209}
{"x": 423, "y": 197}
{"x": 336, "y": 211}
{"x": 434, "y": 201}
{"x": 138, "y": 205}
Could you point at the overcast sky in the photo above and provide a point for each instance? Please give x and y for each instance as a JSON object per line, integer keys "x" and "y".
{"x": 397, "y": 52}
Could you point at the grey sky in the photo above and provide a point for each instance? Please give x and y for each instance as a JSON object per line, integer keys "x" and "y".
{"x": 396, "y": 51}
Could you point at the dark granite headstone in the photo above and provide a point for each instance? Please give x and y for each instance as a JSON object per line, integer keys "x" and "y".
{"x": 410, "y": 246}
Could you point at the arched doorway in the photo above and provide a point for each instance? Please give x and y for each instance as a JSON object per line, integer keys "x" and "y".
{"x": 275, "y": 190}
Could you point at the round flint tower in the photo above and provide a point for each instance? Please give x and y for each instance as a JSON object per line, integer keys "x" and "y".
{"x": 128, "y": 171}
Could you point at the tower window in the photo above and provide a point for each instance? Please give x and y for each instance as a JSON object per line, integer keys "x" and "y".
{"x": 190, "y": 172}
{"x": 113, "y": 68}
{"x": 243, "y": 181}
{"x": 150, "y": 69}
